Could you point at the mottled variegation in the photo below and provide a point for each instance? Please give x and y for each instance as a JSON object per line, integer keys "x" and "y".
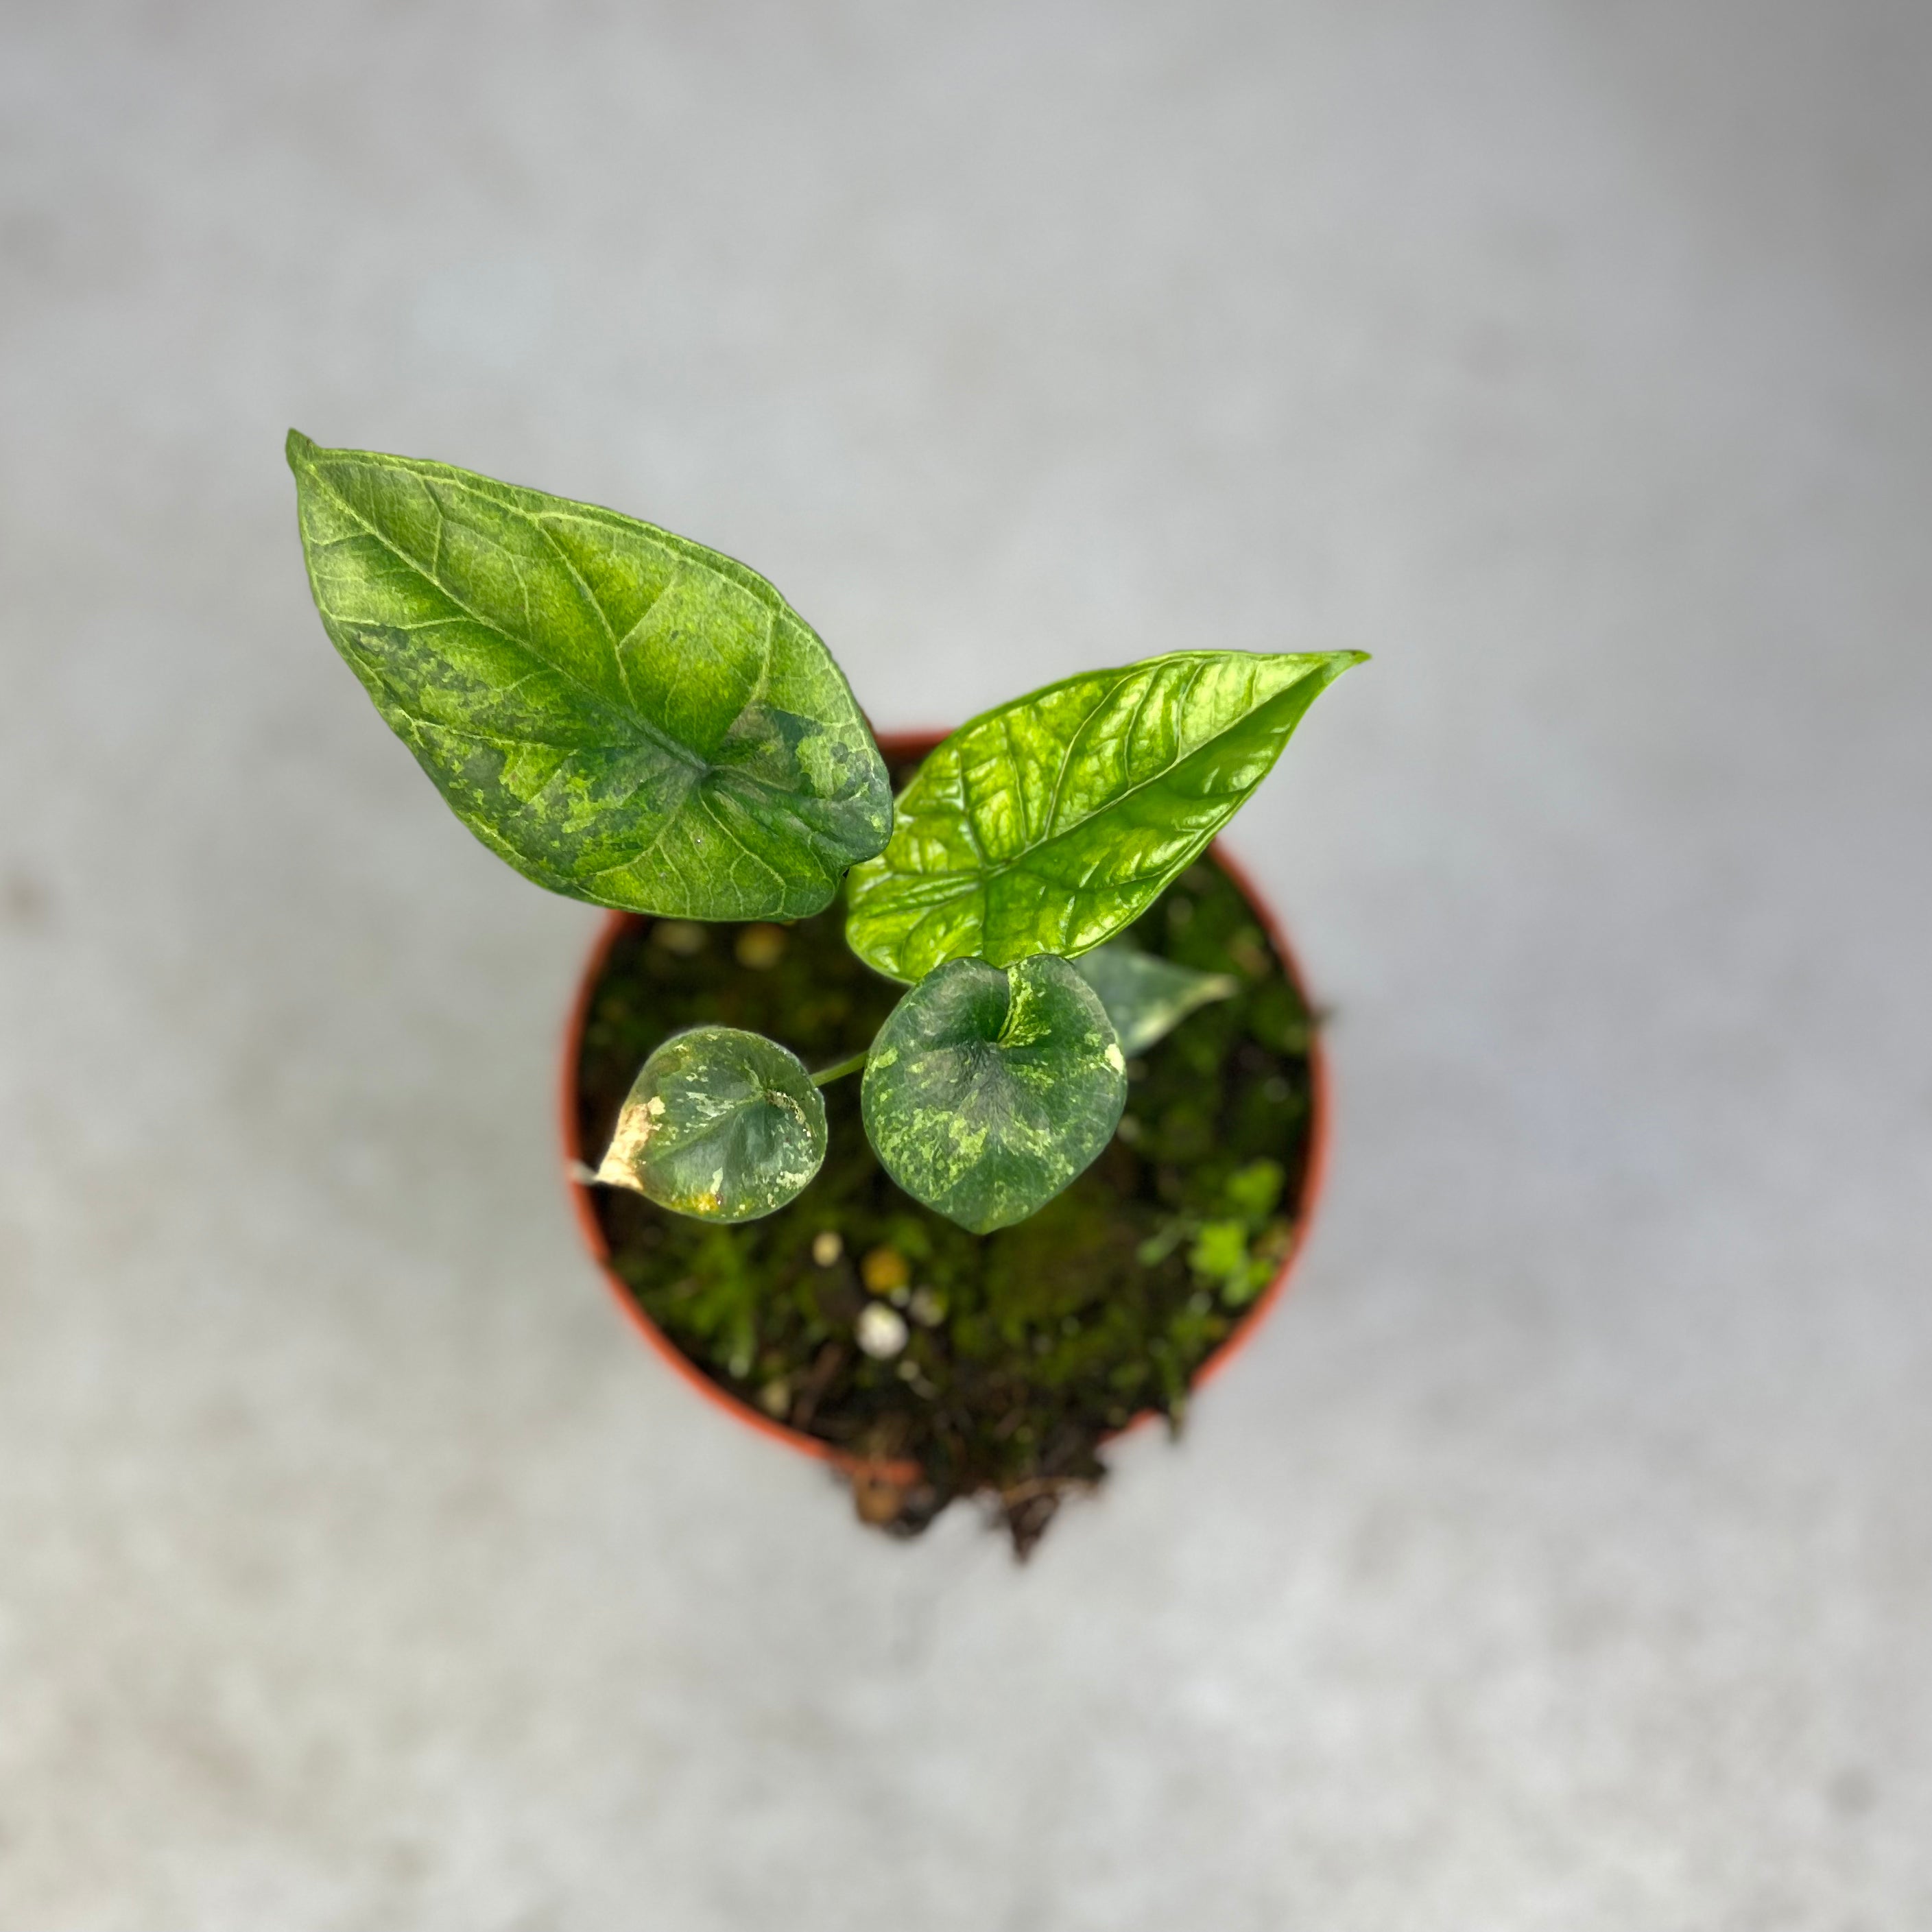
{"x": 631, "y": 719}
{"x": 1048, "y": 824}
{"x": 1147, "y": 996}
{"x": 990, "y": 1088}
{"x": 722, "y": 1124}
{"x": 624, "y": 716}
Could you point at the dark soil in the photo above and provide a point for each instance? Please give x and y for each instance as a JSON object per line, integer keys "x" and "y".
{"x": 1027, "y": 1348}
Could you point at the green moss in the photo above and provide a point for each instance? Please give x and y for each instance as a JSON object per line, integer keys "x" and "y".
{"x": 1053, "y": 1332}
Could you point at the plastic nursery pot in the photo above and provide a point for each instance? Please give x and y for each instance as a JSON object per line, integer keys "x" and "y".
{"x": 899, "y": 748}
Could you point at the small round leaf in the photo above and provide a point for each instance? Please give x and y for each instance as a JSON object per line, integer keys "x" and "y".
{"x": 989, "y": 1088}
{"x": 720, "y": 1124}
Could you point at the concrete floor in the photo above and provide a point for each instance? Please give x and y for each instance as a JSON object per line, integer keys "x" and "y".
{"x": 1561, "y": 1558}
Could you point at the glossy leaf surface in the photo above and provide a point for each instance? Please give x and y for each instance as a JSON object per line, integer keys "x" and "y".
{"x": 1147, "y": 996}
{"x": 624, "y": 716}
{"x": 989, "y": 1088}
{"x": 720, "y": 1124}
{"x": 1048, "y": 825}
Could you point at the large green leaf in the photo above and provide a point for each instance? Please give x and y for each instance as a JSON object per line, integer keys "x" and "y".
{"x": 989, "y": 1088}
{"x": 1048, "y": 824}
{"x": 720, "y": 1124}
{"x": 623, "y": 715}
{"x": 1147, "y": 996}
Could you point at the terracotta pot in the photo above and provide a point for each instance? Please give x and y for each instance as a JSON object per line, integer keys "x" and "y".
{"x": 898, "y": 747}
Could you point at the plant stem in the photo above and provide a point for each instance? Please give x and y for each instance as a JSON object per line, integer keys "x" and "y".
{"x": 839, "y": 1072}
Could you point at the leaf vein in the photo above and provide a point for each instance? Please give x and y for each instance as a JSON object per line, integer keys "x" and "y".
{"x": 645, "y": 726}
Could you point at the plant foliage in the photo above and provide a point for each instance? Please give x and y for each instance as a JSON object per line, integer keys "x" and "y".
{"x": 624, "y": 716}
{"x": 1147, "y": 996}
{"x": 630, "y": 718}
{"x": 1052, "y": 822}
{"x": 722, "y": 1124}
{"x": 990, "y": 1087}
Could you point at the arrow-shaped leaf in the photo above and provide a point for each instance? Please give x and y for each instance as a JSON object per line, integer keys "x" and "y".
{"x": 989, "y": 1088}
{"x": 623, "y": 715}
{"x": 1147, "y": 996}
{"x": 720, "y": 1124}
{"x": 1050, "y": 824}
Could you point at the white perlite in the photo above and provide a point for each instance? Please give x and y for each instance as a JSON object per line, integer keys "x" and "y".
{"x": 882, "y": 1331}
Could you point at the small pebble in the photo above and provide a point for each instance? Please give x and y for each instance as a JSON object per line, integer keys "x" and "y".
{"x": 877, "y": 1500}
{"x": 927, "y": 1306}
{"x": 882, "y": 1331}
{"x": 883, "y": 1269}
{"x": 826, "y": 1247}
{"x": 684, "y": 937}
{"x": 760, "y": 947}
{"x": 774, "y": 1398}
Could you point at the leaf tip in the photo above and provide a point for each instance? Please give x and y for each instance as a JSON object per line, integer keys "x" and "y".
{"x": 298, "y": 449}
{"x": 1333, "y": 664}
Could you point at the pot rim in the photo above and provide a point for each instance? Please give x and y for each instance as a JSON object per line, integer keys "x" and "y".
{"x": 1314, "y": 1175}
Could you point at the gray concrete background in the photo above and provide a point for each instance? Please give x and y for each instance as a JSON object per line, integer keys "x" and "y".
{"x": 1561, "y": 1556}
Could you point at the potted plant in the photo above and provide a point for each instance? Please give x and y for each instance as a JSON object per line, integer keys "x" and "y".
{"x": 948, "y": 1115}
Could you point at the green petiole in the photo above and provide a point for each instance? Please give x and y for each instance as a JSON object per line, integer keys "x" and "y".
{"x": 854, "y": 1065}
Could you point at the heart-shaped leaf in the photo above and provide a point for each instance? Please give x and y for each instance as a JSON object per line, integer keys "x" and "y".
{"x": 989, "y": 1088}
{"x": 1050, "y": 824}
{"x": 720, "y": 1124}
{"x": 1147, "y": 996}
{"x": 623, "y": 715}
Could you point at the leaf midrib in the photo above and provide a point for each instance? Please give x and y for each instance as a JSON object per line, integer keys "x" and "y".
{"x": 987, "y": 873}
{"x": 701, "y": 769}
